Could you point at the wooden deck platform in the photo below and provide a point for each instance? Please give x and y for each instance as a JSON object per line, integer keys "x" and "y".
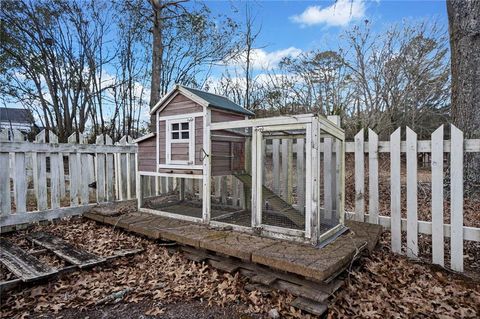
{"x": 318, "y": 264}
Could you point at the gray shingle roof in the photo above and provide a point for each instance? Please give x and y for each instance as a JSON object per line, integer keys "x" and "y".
{"x": 15, "y": 115}
{"x": 219, "y": 102}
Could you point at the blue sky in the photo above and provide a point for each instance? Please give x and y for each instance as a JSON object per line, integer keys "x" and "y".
{"x": 305, "y": 25}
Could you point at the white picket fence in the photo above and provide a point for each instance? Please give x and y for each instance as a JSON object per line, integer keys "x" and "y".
{"x": 42, "y": 181}
{"x": 436, "y": 147}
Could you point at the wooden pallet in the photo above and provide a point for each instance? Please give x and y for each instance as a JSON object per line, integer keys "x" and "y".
{"x": 28, "y": 268}
{"x": 312, "y": 296}
{"x": 24, "y": 265}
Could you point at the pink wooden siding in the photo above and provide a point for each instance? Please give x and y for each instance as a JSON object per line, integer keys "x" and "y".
{"x": 161, "y": 142}
{"x": 179, "y": 152}
{"x": 227, "y": 156}
{"x": 181, "y": 105}
{"x": 146, "y": 154}
{"x": 219, "y": 116}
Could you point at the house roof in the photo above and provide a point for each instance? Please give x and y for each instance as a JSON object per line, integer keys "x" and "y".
{"x": 205, "y": 99}
{"x": 15, "y": 115}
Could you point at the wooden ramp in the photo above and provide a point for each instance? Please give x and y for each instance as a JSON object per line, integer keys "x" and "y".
{"x": 25, "y": 266}
{"x": 64, "y": 250}
{"x": 276, "y": 203}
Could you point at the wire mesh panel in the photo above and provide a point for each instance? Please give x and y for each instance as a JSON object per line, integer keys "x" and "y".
{"x": 231, "y": 180}
{"x": 330, "y": 182}
{"x": 283, "y": 178}
{"x": 173, "y": 195}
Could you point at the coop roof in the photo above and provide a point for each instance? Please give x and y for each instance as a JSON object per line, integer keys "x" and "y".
{"x": 203, "y": 98}
{"x": 15, "y": 115}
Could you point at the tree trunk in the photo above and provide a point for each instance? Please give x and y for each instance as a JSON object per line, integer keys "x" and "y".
{"x": 157, "y": 52}
{"x": 464, "y": 27}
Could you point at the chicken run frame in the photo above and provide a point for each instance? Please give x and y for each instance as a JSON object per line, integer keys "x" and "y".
{"x": 209, "y": 162}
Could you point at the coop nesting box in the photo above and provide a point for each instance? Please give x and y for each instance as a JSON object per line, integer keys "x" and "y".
{"x": 209, "y": 162}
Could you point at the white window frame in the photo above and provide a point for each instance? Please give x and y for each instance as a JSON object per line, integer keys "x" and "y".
{"x": 169, "y": 141}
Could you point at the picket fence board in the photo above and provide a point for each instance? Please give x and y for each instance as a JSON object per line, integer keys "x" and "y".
{"x": 40, "y": 175}
{"x": 359, "y": 177}
{"x": 373, "y": 177}
{"x": 74, "y": 172}
{"x": 438, "y": 241}
{"x": 412, "y": 215}
{"x": 456, "y": 199}
{"x": 395, "y": 189}
{"x": 100, "y": 165}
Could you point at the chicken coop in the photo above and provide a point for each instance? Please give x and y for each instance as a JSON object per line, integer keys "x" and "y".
{"x": 211, "y": 162}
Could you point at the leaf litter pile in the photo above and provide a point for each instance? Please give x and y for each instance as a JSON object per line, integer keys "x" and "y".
{"x": 158, "y": 284}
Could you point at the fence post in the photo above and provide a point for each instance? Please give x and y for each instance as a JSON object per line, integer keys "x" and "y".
{"x": 372, "y": 177}
{"x": 437, "y": 197}
{"x": 130, "y": 170}
{"x": 412, "y": 216}
{"x": 359, "y": 177}
{"x": 456, "y": 199}
{"x": 54, "y": 173}
{"x": 40, "y": 177}
{"x": 395, "y": 192}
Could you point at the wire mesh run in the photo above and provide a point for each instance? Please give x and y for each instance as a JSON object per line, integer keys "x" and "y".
{"x": 175, "y": 195}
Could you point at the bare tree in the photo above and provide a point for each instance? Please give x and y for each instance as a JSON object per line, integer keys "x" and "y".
{"x": 464, "y": 27}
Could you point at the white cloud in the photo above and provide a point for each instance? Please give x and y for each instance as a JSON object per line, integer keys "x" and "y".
{"x": 340, "y": 13}
{"x": 263, "y": 60}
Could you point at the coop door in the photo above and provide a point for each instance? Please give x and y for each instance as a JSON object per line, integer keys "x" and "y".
{"x": 283, "y": 171}
{"x": 180, "y": 148}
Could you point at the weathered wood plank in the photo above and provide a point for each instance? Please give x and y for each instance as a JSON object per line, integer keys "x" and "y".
{"x": 74, "y": 172}
{"x": 456, "y": 194}
{"x": 395, "y": 192}
{"x": 64, "y": 250}
{"x": 373, "y": 177}
{"x": 24, "y": 265}
{"x": 412, "y": 216}
{"x": 438, "y": 241}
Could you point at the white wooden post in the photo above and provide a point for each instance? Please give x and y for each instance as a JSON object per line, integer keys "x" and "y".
{"x": 359, "y": 177}
{"x": 100, "y": 164}
{"x": 412, "y": 216}
{"x": 372, "y": 177}
{"x": 315, "y": 182}
{"x": 131, "y": 171}
{"x": 122, "y": 170}
{"x": 74, "y": 172}
{"x": 41, "y": 175}
{"x": 395, "y": 192}
{"x": 20, "y": 178}
{"x": 206, "y": 184}
{"x": 308, "y": 181}
{"x": 456, "y": 200}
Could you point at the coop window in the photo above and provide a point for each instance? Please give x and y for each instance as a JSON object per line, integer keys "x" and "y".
{"x": 180, "y": 131}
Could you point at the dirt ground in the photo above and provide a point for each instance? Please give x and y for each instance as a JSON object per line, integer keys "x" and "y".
{"x": 156, "y": 284}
